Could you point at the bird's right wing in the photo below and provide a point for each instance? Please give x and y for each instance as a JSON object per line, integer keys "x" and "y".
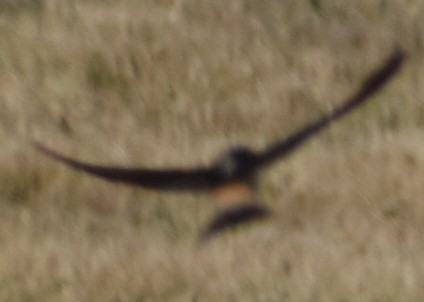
{"x": 167, "y": 179}
{"x": 371, "y": 85}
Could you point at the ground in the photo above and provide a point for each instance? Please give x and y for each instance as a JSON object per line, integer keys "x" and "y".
{"x": 160, "y": 83}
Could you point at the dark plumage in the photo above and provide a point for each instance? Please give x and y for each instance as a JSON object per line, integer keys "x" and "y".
{"x": 232, "y": 178}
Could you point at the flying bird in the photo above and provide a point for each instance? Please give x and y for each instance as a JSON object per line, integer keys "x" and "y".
{"x": 232, "y": 178}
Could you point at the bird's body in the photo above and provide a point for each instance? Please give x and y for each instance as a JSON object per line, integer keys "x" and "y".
{"x": 232, "y": 178}
{"x": 233, "y": 194}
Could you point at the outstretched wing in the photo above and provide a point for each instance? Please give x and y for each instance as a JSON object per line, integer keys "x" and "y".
{"x": 170, "y": 179}
{"x": 371, "y": 85}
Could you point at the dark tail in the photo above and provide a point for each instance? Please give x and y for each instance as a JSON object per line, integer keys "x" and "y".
{"x": 233, "y": 217}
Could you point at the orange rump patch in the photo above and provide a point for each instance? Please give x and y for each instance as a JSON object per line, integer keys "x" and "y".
{"x": 232, "y": 194}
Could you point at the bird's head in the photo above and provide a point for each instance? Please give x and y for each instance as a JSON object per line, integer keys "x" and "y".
{"x": 236, "y": 164}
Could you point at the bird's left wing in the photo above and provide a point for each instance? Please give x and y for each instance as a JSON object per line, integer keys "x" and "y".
{"x": 166, "y": 179}
{"x": 372, "y": 84}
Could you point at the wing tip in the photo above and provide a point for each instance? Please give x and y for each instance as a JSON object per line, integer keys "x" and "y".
{"x": 46, "y": 151}
{"x": 397, "y": 58}
{"x": 39, "y": 147}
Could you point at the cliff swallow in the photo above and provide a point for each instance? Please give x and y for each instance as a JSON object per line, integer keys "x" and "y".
{"x": 232, "y": 177}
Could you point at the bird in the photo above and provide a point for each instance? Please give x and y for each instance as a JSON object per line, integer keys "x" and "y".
{"x": 232, "y": 178}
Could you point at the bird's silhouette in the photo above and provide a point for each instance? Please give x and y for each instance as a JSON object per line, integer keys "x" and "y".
{"x": 232, "y": 177}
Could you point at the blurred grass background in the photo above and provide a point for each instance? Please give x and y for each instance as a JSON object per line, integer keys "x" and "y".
{"x": 174, "y": 83}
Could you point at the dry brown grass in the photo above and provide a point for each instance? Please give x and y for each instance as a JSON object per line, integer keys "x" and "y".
{"x": 164, "y": 83}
